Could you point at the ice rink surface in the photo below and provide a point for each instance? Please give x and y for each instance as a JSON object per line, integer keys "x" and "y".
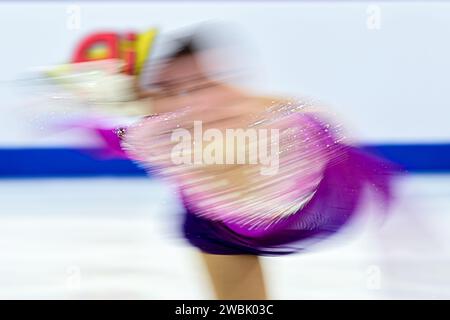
{"x": 118, "y": 238}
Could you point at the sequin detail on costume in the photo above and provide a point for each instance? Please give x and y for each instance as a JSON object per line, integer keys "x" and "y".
{"x": 239, "y": 194}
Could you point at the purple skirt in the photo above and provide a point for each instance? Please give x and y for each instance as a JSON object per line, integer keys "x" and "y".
{"x": 335, "y": 202}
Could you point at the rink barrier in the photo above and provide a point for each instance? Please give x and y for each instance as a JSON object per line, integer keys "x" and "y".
{"x": 72, "y": 162}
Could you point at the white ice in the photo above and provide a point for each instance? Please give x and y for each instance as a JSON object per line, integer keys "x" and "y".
{"x": 117, "y": 238}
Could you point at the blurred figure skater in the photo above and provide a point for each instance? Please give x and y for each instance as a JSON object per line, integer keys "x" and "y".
{"x": 233, "y": 213}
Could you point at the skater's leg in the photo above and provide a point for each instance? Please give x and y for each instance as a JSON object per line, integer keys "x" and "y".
{"x": 236, "y": 276}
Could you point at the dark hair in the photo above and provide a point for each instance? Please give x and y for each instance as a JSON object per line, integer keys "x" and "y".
{"x": 188, "y": 43}
{"x": 187, "y": 47}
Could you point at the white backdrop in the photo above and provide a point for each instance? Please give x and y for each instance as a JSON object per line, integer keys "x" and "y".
{"x": 390, "y": 83}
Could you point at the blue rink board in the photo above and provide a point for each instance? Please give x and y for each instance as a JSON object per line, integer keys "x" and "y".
{"x": 71, "y": 162}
